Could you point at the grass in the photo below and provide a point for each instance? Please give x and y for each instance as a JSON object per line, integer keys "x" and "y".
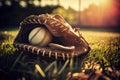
{"x": 102, "y": 61}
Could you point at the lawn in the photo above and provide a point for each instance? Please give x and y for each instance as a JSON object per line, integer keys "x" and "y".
{"x": 102, "y": 62}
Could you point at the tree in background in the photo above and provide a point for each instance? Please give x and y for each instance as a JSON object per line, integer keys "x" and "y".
{"x": 69, "y": 14}
{"x": 12, "y": 12}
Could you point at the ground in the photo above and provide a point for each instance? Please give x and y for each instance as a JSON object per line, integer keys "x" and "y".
{"x": 102, "y": 62}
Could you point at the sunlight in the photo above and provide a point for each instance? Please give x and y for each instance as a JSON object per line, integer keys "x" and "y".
{"x": 23, "y": 3}
{"x": 99, "y": 2}
{"x": 36, "y": 3}
{"x": 8, "y": 3}
{"x": 75, "y": 3}
{"x": 86, "y": 3}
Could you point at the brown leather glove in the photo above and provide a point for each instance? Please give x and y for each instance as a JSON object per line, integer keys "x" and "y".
{"x": 67, "y": 42}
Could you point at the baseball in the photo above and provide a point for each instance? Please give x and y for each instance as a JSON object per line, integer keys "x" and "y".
{"x": 40, "y": 37}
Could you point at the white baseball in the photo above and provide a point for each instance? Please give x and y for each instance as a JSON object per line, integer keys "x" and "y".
{"x": 40, "y": 37}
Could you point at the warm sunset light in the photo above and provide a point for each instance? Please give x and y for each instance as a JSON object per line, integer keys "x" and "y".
{"x": 98, "y": 13}
{"x": 59, "y": 39}
{"x": 75, "y": 3}
{"x": 89, "y": 13}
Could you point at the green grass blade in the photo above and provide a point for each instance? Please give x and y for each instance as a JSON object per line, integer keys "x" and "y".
{"x": 16, "y": 60}
{"x": 71, "y": 64}
{"x": 66, "y": 63}
{"x": 54, "y": 63}
{"x": 40, "y": 70}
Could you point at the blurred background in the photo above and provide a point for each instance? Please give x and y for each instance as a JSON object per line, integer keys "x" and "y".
{"x": 99, "y": 22}
{"x": 78, "y": 13}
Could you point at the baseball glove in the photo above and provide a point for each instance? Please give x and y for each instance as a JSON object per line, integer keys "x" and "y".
{"x": 67, "y": 42}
